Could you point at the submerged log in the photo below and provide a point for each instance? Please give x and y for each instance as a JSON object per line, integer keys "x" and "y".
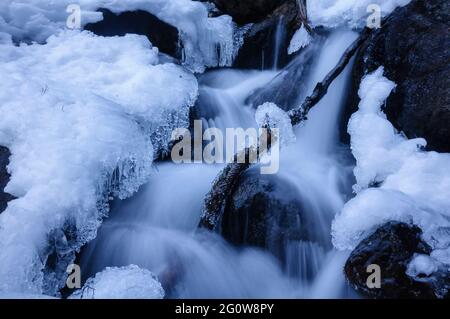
{"x": 226, "y": 182}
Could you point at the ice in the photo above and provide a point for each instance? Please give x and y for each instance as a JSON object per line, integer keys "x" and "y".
{"x": 421, "y": 265}
{"x": 130, "y": 282}
{"x": 300, "y": 39}
{"x": 269, "y": 115}
{"x": 82, "y": 116}
{"x": 352, "y": 13}
{"x": 396, "y": 179}
{"x": 206, "y": 42}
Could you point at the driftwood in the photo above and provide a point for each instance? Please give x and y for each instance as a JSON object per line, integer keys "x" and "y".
{"x": 226, "y": 182}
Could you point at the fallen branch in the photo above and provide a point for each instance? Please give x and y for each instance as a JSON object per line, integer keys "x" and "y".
{"x": 298, "y": 115}
{"x": 226, "y": 182}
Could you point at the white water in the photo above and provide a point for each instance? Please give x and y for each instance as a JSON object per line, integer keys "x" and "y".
{"x": 157, "y": 228}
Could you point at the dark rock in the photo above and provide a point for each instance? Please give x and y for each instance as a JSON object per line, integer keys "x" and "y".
{"x": 246, "y": 11}
{"x": 4, "y": 178}
{"x": 267, "y": 211}
{"x": 289, "y": 86}
{"x": 414, "y": 48}
{"x": 162, "y": 35}
{"x": 266, "y": 43}
{"x": 391, "y": 247}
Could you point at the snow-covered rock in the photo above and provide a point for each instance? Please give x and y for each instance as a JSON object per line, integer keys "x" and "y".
{"x": 82, "y": 116}
{"x": 130, "y": 282}
{"x": 413, "y": 186}
{"x": 413, "y": 48}
{"x": 269, "y": 115}
{"x": 353, "y": 13}
{"x": 392, "y": 247}
{"x": 207, "y": 42}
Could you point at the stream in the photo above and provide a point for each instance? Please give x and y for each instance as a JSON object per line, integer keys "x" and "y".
{"x": 157, "y": 228}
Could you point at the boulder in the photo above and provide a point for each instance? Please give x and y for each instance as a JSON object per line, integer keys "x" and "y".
{"x": 162, "y": 35}
{"x": 267, "y": 211}
{"x": 289, "y": 86}
{"x": 414, "y": 48}
{"x": 246, "y": 11}
{"x": 391, "y": 247}
{"x": 4, "y": 178}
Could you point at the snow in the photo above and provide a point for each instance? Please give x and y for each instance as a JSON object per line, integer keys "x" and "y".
{"x": 271, "y": 116}
{"x": 130, "y": 282}
{"x": 207, "y": 42}
{"x": 82, "y": 116}
{"x": 442, "y": 256}
{"x": 300, "y": 39}
{"x": 351, "y": 13}
{"x": 413, "y": 185}
{"x": 421, "y": 265}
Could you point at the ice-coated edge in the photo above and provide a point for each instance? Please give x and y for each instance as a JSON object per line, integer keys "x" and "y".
{"x": 82, "y": 116}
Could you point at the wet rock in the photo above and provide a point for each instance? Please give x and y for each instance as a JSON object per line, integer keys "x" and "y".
{"x": 4, "y": 178}
{"x": 246, "y": 11}
{"x": 267, "y": 211}
{"x": 391, "y": 247}
{"x": 162, "y": 35}
{"x": 414, "y": 48}
{"x": 289, "y": 86}
{"x": 266, "y": 43}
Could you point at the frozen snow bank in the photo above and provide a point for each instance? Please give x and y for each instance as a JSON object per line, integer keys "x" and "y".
{"x": 77, "y": 116}
{"x": 206, "y": 42}
{"x": 129, "y": 282}
{"x": 353, "y": 13}
{"x": 414, "y": 185}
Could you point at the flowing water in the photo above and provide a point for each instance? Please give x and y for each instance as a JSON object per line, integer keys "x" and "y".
{"x": 157, "y": 228}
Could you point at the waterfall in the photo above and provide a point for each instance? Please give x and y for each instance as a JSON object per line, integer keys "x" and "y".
{"x": 157, "y": 228}
{"x": 280, "y": 35}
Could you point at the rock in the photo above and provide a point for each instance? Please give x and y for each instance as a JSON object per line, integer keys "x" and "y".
{"x": 267, "y": 211}
{"x": 266, "y": 43}
{"x": 414, "y": 48}
{"x": 4, "y": 178}
{"x": 287, "y": 88}
{"x": 391, "y": 247}
{"x": 162, "y": 35}
{"x": 246, "y": 11}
